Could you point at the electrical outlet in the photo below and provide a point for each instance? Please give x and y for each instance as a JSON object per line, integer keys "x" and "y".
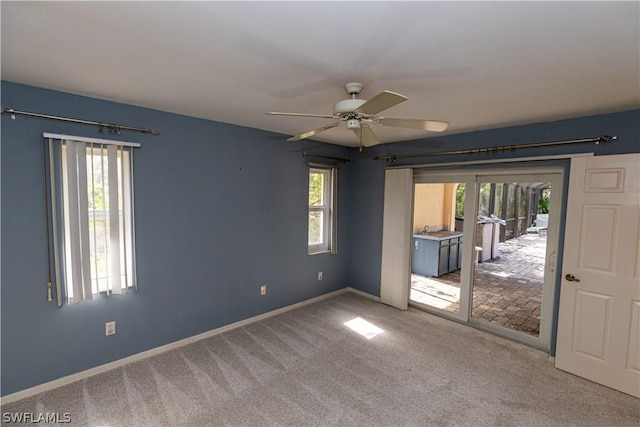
{"x": 110, "y": 328}
{"x": 320, "y": 275}
{"x": 263, "y": 289}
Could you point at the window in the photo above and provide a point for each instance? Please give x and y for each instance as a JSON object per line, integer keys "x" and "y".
{"x": 322, "y": 209}
{"x": 96, "y": 242}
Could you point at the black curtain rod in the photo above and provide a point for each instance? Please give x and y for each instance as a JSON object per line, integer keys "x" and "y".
{"x": 339, "y": 159}
{"x": 497, "y": 149}
{"x": 101, "y": 126}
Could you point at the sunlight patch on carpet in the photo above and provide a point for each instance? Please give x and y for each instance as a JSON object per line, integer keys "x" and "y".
{"x": 364, "y": 328}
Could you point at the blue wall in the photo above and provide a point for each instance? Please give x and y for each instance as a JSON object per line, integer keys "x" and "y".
{"x": 220, "y": 209}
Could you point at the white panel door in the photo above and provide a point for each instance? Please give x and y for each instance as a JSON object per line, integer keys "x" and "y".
{"x": 395, "y": 274}
{"x": 599, "y": 314}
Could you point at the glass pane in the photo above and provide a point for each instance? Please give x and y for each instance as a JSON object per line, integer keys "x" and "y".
{"x": 437, "y": 245}
{"x": 99, "y": 232}
{"x": 460, "y": 200}
{"x": 498, "y": 209}
{"x": 510, "y": 219}
{"x": 509, "y": 275}
{"x": 98, "y": 193}
{"x": 483, "y": 202}
{"x": 99, "y": 221}
{"x": 97, "y": 180}
{"x": 316, "y": 188}
{"x": 316, "y": 222}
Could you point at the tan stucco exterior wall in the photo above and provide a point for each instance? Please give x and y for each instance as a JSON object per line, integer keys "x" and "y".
{"x": 434, "y": 206}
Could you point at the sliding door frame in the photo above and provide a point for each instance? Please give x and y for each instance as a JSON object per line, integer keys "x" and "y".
{"x": 543, "y": 340}
{"x": 472, "y": 178}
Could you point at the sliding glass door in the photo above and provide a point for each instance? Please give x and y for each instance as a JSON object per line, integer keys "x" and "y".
{"x": 484, "y": 248}
{"x": 516, "y": 240}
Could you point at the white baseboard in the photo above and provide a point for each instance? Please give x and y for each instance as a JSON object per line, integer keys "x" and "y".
{"x": 10, "y": 398}
{"x": 363, "y": 294}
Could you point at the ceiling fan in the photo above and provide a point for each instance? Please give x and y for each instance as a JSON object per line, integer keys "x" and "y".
{"x": 360, "y": 115}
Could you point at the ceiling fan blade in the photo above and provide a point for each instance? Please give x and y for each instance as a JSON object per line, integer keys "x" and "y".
{"x": 429, "y": 125}
{"x": 381, "y": 102}
{"x": 366, "y": 136}
{"x": 313, "y": 132}
{"x": 323, "y": 116}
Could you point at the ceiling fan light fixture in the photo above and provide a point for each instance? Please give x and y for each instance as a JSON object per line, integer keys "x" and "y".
{"x": 353, "y": 124}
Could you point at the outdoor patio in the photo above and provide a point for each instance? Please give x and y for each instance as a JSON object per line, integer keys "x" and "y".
{"x": 507, "y": 289}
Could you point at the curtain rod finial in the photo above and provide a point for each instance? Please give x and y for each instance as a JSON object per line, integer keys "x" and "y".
{"x": 9, "y": 111}
{"x": 606, "y": 138}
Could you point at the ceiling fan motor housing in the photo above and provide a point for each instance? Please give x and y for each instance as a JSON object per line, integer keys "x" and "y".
{"x": 347, "y": 107}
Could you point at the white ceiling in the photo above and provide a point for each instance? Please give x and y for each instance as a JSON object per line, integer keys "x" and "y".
{"x": 477, "y": 65}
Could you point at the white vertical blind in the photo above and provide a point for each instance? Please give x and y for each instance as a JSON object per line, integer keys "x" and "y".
{"x": 127, "y": 229}
{"x": 54, "y": 223}
{"x": 114, "y": 220}
{"x": 77, "y": 254}
{"x": 97, "y": 209}
{"x": 395, "y": 272}
{"x": 132, "y": 275}
{"x": 83, "y": 216}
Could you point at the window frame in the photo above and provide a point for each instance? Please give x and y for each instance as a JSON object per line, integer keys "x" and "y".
{"x": 327, "y": 209}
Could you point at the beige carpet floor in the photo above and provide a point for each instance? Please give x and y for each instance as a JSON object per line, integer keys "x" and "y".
{"x": 306, "y": 367}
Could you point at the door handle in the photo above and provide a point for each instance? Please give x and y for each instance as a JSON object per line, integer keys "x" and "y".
{"x": 571, "y": 278}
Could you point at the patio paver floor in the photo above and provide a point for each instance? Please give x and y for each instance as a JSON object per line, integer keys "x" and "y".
{"x": 507, "y": 289}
